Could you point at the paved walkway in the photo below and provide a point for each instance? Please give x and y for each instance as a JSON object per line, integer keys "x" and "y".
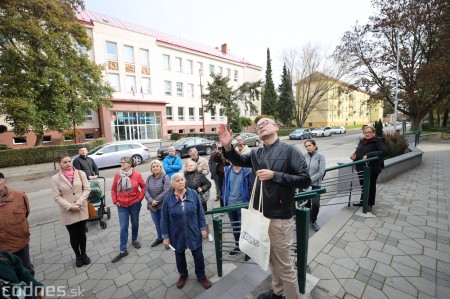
{"x": 402, "y": 251}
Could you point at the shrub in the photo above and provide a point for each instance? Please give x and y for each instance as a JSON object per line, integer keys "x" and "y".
{"x": 396, "y": 144}
{"x": 4, "y": 147}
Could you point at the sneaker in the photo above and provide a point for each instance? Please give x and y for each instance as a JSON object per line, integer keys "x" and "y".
{"x": 247, "y": 258}
{"x": 156, "y": 243}
{"x": 270, "y": 295}
{"x": 235, "y": 251}
{"x": 79, "y": 261}
{"x": 136, "y": 244}
{"x": 315, "y": 226}
{"x": 205, "y": 282}
{"x": 86, "y": 260}
{"x": 181, "y": 281}
{"x": 119, "y": 256}
{"x": 210, "y": 238}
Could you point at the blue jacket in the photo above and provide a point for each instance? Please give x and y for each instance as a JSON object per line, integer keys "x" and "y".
{"x": 172, "y": 165}
{"x": 246, "y": 187}
{"x": 183, "y": 221}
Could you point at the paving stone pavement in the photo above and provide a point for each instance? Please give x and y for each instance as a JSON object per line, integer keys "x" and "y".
{"x": 401, "y": 252}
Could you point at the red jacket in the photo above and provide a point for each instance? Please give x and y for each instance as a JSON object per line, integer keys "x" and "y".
{"x": 126, "y": 199}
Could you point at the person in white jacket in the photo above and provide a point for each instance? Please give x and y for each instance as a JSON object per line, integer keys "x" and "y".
{"x": 316, "y": 168}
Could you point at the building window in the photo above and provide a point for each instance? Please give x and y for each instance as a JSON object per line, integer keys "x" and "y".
{"x": 20, "y": 140}
{"x": 221, "y": 114}
{"x": 179, "y": 86}
{"x": 130, "y": 84}
{"x": 191, "y": 113}
{"x": 235, "y": 76}
{"x": 213, "y": 114}
{"x": 68, "y": 137}
{"x": 213, "y": 129}
{"x": 169, "y": 132}
{"x": 229, "y": 73}
{"x": 146, "y": 85}
{"x": 190, "y": 90}
{"x": 200, "y": 68}
{"x": 114, "y": 81}
{"x": 200, "y": 113}
{"x": 111, "y": 51}
{"x": 178, "y": 64}
{"x": 201, "y": 130}
{"x": 166, "y": 62}
{"x": 167, "y": 88}
{"x": 180, "y": 113}
{"x": 89, "y": 116}
{"x": 220, "y": 72}
{"x": 128, "y": 54}
{"x": 47, "y": 138}
{"x": 189, "y": 66}
{"x": 169, "y": 115}
{"x": 143, "y": 57}
{"x": 191, "y": 130}
{"x": 89, "y": 136}
{"x": 181, "y": 131}
{"x": 211, "y": 69}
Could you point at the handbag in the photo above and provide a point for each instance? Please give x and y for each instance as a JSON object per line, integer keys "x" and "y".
{"x": 254, "y": 240}
{"x": 91, "y": 209}
{"x": 204, "y": 196}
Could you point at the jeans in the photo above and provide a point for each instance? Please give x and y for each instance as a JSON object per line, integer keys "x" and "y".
{"x": 236, "y": 216}
{"x": 126, "y": 214}
{"x": 24, "y": 255}
{"x": 156, "y": 217}
{"x": 199, "y": 262}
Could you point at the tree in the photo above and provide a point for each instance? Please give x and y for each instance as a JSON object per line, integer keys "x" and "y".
{"x": 315, "y": 74}
{"x": 286, "y": 103}
{"x": 48, "y": 81}
{"x": 220, "y": 94}
{"x": 420, "y": 28}
{"x": 269, "y": 97}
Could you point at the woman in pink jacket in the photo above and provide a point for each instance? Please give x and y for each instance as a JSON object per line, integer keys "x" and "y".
{"x": 127, "y": 192}
{"x": 71, "y": 189}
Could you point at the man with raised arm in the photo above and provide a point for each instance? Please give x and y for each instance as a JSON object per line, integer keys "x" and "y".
{"x": 283, "y": 169}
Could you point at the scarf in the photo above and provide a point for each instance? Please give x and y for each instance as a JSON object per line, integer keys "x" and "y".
{"x": 368, "y": 140}
{"x": 69, "y": 174}
{"x": 124, "y": 182}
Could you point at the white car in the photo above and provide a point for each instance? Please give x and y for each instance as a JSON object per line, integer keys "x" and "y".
{"x": 321, "y": 132}
{"x": 109, "y": 154}
{"x": 338, "y": 130}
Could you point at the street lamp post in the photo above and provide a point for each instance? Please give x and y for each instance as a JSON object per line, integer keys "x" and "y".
{"x": 396, "y": 73}
{"x": 201, "y": 98}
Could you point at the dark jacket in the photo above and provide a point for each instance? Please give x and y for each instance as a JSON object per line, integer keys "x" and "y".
{"x": 87, "y": 165}
{"x": 290, "y": 173}
{"x": 197, "y": 179}
{"x": 183, "y": 221}
{"x": 246, "y": 187}
{"x": 374, "y": 148}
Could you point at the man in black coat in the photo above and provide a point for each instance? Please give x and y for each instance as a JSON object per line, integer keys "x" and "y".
{"x": 86, "y": 164}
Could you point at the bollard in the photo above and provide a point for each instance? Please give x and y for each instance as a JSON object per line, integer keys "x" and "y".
{"x": 217, "y": 224}
{"x": 302, "y": 225}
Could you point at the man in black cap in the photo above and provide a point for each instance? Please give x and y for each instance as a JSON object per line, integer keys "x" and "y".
{"x": 86, "y": 164}
{"x": 14, "y": 227}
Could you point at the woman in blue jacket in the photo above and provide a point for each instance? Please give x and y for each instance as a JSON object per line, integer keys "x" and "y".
{"x": 172, "y": 164}
{"x": 183, "y": 226}
{"x": 316, "y": 169}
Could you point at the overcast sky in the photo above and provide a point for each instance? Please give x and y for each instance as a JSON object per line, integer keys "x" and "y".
{"x": 249, "y": 27}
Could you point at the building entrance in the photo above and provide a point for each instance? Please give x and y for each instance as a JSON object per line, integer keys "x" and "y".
{"x": 126, "y": 125}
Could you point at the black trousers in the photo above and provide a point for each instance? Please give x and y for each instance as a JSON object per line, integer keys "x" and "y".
{"x": 77, "y": 233}
{"x": 372, "y": 187}
{"x": 24, "y": 255}
{"x": 315, "y": 205}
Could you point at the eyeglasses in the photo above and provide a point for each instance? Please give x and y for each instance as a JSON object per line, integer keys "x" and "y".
{"x": 263, "y": 124}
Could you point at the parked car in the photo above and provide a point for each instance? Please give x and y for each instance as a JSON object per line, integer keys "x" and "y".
{"x": 321, "y": 132}
{"x": 338, "y": 130}
{"x": 109, "y": 154}
{"x": 300, "y": 133}
{"x": 183, "y": 145}
{"x": 250, "y": 139}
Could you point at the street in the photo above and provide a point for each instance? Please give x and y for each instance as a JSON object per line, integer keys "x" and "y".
{"x": 336, "y": 148}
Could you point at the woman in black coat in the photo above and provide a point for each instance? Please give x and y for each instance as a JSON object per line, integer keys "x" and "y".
{"x": 370, "y": 146}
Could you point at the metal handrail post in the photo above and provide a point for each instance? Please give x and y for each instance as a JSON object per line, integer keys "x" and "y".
{"x": 302, "y": 225}
{"x": 217, "y": 225}
{"x": 366, "y": 187}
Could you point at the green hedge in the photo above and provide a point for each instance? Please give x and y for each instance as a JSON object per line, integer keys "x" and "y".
{"x": 41, "y": 154}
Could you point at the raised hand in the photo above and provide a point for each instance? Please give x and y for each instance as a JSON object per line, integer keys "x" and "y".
{"x": 225, "y": 136}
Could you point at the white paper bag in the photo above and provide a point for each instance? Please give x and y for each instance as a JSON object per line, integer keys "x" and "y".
{"x": 254, "y": 240}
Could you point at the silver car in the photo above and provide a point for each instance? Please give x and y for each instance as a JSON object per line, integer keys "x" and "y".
{"x": 321, "y": 132}
{"x": 250, "y": 139}
{"x": 109, "y": 154}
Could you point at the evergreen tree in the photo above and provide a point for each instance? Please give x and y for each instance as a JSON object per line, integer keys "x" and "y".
{"x": 286, "y": 103}
{"x": 269, "y": 97}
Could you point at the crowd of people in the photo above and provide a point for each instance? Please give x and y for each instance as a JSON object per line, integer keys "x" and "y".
{"x": 177, "y": 194}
